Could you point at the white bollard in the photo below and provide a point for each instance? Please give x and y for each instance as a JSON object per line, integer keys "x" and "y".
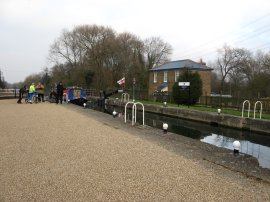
{"x": 165, "y": 127}
{"x": 219, "y": 111}
{"x": 236, "y": 147}
{"x": 84, "y": 105}
{"x": 114, "y": 113}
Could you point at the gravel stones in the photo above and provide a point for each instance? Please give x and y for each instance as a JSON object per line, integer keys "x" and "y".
{"x": 52, "y": 152}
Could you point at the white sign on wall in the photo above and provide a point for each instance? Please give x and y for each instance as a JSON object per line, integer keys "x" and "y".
{"x": 183, "y": 83}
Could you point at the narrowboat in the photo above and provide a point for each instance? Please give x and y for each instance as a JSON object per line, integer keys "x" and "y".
{"x": 75, "y": 95}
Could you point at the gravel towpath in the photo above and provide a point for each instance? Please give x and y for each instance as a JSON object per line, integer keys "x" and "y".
{"x": 52, "y": 152}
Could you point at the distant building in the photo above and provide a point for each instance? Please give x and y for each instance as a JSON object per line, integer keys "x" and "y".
{"x": 163, "y": 77}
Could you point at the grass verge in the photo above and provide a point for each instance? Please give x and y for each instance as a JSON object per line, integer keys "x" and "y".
{"x": 214, "y": 110}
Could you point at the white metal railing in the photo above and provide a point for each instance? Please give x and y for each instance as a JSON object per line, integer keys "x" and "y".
{"x": 9, "y": 92}
{"x": 244, "y": 107}
{"x": 254, "y": 112}
{"x": 130, "y": 102}
{"x": 124, "y": 97}
{"x": 134, "y": 111}
{"x": 258, "y": 102}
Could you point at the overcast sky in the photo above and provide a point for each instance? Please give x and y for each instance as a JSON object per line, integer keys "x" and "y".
{"x": 194, "y": 28}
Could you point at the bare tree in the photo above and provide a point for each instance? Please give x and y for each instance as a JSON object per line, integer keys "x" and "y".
{"x": 98, "y": 42}
{"x": 106, "y": 54}
{"x": 263, "y": 61}
{"x": 157, "y": 51}
{"x": 36, "y": 77}
{"x": 130, "y": 58}
{"x": 229, "y": 62}
{"x": 66, "y": 49}
{"x": 258, "y": 76}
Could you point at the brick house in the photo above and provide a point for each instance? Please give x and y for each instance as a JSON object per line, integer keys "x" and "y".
{"x": 163, "y": 77}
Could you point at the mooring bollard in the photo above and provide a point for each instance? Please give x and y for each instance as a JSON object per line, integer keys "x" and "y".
{"x": 114, "y": 113}
{"x": 236, "y": 147}
{"x": 165, "y": 128}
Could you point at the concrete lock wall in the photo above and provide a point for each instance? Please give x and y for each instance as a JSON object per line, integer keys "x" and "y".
{"x": 255, "y": 125}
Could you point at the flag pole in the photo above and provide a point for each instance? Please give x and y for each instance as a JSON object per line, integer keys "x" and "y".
{"x": 124, "y": 86}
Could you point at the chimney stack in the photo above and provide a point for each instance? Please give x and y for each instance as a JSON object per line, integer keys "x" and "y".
{"x": 202, "y": 62}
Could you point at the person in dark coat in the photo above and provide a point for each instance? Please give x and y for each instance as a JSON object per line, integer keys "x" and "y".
{"x": 60, "y": 91}
{"x": 53, "y": 94}
{"x": 21, "y": 92}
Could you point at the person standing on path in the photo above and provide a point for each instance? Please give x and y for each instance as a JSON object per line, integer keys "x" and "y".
{"x": 40, "y": 91}
{"x": 32, "y": 90}
{"x": 21, "y": 92}
{"x": 60, "y": 92}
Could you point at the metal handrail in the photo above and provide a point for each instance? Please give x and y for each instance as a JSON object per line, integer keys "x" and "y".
{"x": 244, "y": 106}
{"x": 126, "y": 109}
{"x": 123, "y": 97}
{"x": 260, "y": 109}
{"x": 134, "y": 112}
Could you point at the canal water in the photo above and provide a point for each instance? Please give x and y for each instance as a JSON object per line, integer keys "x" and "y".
{"x": 252, "y": 143}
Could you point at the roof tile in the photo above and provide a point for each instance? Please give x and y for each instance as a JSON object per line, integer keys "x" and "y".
{"x": 180, "y": 64}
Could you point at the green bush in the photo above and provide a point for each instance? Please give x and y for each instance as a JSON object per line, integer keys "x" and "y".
{"x": 191, "y": 95}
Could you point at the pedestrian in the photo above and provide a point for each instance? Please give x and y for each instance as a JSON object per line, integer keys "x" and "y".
{"x": 40, "y": 91}
{"x": 21, "y": 92}
{"x": 32, "y": 90}
{"x": 53, "y": 94}
{"x": 60, "y": 92}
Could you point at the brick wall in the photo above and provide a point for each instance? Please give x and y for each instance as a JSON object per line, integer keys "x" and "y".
{"x": 205, "y": 76}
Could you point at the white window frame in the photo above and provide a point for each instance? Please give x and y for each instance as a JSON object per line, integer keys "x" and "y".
{"x": 176, "y": 75}
{"x": 165, "y": 77}
{"x": 155, "y": 77}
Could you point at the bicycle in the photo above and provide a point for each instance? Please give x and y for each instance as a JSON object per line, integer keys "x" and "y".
{"x": 35, "y": 97}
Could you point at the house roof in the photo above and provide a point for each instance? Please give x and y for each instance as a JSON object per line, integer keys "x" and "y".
{"x": 180, "y": 64}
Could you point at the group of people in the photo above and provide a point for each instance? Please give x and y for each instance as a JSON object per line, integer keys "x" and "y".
{"x": 39, "y": 91}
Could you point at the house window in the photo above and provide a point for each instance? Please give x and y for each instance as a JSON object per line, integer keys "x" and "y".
{"x": 155, "y": 77}
{"x": 176, "y": 75}
{"x": 165, "y": 79}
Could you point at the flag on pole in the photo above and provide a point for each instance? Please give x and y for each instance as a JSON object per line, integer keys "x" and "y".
{"x": 121, "y": 81}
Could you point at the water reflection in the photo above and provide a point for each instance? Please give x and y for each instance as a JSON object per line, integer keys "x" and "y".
{"x": 262, "y": 153}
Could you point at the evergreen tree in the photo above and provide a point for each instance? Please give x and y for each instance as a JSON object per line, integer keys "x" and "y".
{"x": 190, "y": 95}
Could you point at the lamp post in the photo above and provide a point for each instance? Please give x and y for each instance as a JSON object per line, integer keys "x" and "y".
{"x": 134, "y": 82}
